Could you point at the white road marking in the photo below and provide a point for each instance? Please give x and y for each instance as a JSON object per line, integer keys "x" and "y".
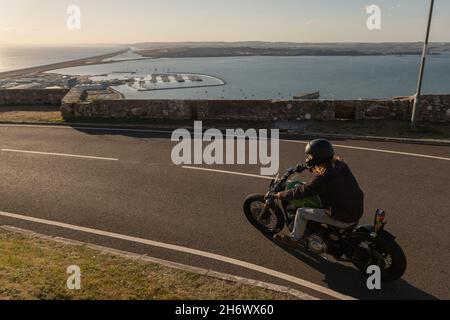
{"x": 229, "y": 172}
{"x": 59, "y": 154}
{"x": 243, "y": 264}
{"x": 169, "y": 132}
{"x": 378, "y": 150}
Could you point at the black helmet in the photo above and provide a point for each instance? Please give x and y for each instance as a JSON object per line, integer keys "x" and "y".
{"x": 318, "y": 152}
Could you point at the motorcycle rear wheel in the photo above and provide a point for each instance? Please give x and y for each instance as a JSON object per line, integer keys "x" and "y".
{"x": 253, "y": 206}
{"x": 389, "y": 256}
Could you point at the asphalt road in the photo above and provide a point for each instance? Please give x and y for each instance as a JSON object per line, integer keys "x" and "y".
{"x": 132, "y": 188}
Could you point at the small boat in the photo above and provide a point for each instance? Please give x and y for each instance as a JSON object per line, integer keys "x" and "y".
{"x": 307, "y": 95}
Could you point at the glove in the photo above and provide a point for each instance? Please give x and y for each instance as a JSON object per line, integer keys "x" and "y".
{"x": 301, "y": 167}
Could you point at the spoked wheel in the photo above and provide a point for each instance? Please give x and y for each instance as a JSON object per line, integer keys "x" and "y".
{"x": 387, "y": 255}
{"x": 270, "y": 223}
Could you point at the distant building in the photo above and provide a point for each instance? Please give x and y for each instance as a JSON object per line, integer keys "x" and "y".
{"x": 72, "y": 82}
{"x": 97, "y": 86}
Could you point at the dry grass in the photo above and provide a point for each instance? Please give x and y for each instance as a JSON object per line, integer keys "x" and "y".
{"x": 35, "y": 268}
{"x": 30, "y": 114}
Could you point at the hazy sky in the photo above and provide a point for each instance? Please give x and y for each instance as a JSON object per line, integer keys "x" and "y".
{"x": 114, "y": 21}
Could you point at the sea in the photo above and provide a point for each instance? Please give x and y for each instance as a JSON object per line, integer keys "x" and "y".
{"x": 20, "y": 57}
{"x": 336, "y": 77}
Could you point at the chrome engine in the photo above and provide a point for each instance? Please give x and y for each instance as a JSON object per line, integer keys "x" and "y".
{"x": 316, "y": 244}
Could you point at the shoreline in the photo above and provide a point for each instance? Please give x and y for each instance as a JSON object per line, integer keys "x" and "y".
{"x": 95, "y": 60}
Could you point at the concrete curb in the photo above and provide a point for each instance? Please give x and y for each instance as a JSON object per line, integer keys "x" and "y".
{"x": 174, "y": 265}
{"x": 289, "y": 133}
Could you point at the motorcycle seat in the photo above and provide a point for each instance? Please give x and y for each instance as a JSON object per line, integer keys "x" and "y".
{"x": 349, "y": 228}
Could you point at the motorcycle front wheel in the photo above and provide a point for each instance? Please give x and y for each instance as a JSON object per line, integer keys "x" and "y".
{"x": 271, "y": 224}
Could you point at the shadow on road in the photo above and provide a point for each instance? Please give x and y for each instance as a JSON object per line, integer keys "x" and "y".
{"x": 348, "y": 280}
{"x": 164, "y": 130}
{"x": 138, "y": 132}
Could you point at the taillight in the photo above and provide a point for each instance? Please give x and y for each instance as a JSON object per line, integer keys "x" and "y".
{"x": 380, "y": 220}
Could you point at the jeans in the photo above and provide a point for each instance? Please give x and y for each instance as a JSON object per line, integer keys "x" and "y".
{"x": 318, "y": 215}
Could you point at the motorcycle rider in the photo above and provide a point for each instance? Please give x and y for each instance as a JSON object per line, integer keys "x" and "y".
{"x": 342, "y": 198}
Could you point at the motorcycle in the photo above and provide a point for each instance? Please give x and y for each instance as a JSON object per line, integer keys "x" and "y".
{"x": 363, "y": 246}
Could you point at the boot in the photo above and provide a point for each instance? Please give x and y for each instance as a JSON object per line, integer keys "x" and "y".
{"x": 286, "y": 240}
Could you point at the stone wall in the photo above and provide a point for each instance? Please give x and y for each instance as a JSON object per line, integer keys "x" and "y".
{"x": 435, "y": 108}
{"x": 32, "y": 96}
{"x": 245, "y": 110}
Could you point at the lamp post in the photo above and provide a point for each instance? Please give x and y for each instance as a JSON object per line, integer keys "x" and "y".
{"x": 417, "y": 102}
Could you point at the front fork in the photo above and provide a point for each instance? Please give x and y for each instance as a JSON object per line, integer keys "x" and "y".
{"x": 271, "y": 203}
{"x": 266, "y": 210}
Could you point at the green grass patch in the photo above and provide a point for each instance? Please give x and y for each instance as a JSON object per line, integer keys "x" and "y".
{"x": 35, "y": 268}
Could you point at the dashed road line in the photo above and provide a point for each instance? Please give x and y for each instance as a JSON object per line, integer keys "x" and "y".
{"x": 377, "y": 150}
{"x": 229, "y": 172}
{"x": 59, "y": 154}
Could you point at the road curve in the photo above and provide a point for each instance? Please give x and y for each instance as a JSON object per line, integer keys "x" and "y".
{"x": 123, "y": 182}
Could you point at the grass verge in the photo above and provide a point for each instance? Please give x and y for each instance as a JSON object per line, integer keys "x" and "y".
{"x": 43, "y": 114}
{"x": 32, "y": 267}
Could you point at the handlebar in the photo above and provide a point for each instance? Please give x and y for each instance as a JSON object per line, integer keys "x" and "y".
{"x": 301, "y": 168}
{"x": 298, "y": 169}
